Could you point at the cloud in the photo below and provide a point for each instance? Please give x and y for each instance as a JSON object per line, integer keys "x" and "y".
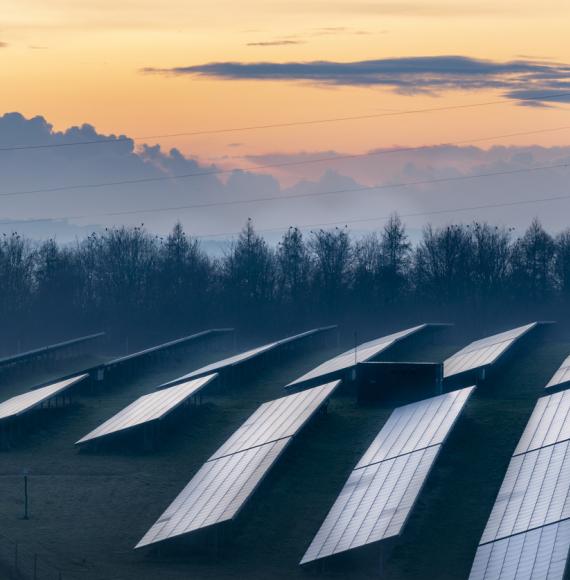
{"x": 3, "y": 44}
{"x": 275, "y": 43}
{"x": 74, "y": 212}
{"x": 518, "y": 79}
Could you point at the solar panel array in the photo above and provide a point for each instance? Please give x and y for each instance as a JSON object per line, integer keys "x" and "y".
{"x": 561, "y": 376}
{"x": 528, "y": 534}
{"x": 484, "y": 352}
{"x": 245, "y": 356}
{"x": 148, "y": 408}
{"x": 228, "y": 479}
{"x": 361, "y": 353}
{"x": 380, "y": 493}
{"x": 24, "y": 403}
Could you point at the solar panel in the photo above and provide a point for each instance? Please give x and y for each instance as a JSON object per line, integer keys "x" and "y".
{"x": 416, "y": 426}
{"x": 227, "y": 480}
{"x": 14, "y": 358}
{"x": 483, "y": 352}
{"x": 362, "y": 353}
{"x": 548, "y": 424}
{"x": 147, "y": 408}
{"x": 166, "y": 345}
{"x": 373, "y": 505}
{"x": 534, "y": 493}
{"x": 216, "y": 493}
{"x": 245, "y": 356}
{"x": 383, "y": 487}
{"x": 561, "y": 376}
{"x": 27, "y": 401}
{"x": 277, "y": 419}
{"x": 540, "y": 554}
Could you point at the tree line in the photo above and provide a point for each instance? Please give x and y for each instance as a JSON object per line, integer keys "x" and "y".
{"x": 126, "y": 279}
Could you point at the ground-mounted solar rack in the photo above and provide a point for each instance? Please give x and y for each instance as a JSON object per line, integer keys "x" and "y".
{"x": 234, "y": 368}
{"x": 380, "y": 493}
{"x": 145, "y": 416}
{"x": 134, "y": 361}
{"x": 15, "y": 411}
{"x": 344, "y": 365}
{"x": 65, "y": 349}
{"x": 527, "y": 535}
{"x": 473, "y": 362}
{"x": 124, "y": 366}
{"x": 225, "y": 483}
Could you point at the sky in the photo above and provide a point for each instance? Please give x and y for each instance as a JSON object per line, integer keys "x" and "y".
{"x": 485, "y": 76}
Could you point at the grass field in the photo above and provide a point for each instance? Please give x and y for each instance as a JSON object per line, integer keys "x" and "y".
{"x": 88, "y": 510}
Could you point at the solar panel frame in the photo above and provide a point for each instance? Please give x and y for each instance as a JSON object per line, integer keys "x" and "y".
{"x": 548, "y": 424}
{"x": 277, "y": 419}
{"x": 535, "y": 492}
{"x": 374, "y": 504}
{"x": 348, "y": 359}
{"x": 540, "y": 554}
{"x": 216, "y": 494}
{"x": 484, "y": 352}
{"x": 417, "y": 426}
{"x": 148, "y": 408}
{"x": 20, "y": 404}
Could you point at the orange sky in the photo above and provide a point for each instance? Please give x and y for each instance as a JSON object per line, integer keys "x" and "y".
{"x": 76, "y": 61}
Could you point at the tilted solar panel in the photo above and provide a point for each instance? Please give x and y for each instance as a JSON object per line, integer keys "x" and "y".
{"x": 151, "y": 407}
{"x": 417, "y": 426}
{"x": 277, "y": 419}
{"x": 227, "y": 480}
{"x": 548, "y": 424}
{"x": 561, "y": 376}
{"x": 534, "y": 493}
{"x": 244, "y": 356}
{"x": 216, "y": 493}
{"x": 540, "y": 554}
{"x": 382, "y": 489}
{"x": 483, "y": 352}
{"x": 373, "y": 505}
{"x": 361, "y": 353}
{"x": 21, "y": 404}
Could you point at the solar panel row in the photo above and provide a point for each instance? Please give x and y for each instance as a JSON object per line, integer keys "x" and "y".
{"x": 10, "y": 359}
{"x": 380, "y": 493}
{"x": 148, "y": 408}
{"x": 528, "y": 532}
{"x": 25, "y": 402}
{"x": 245, "y": 356}
{"x": 548, "y": 424}
{"x": 484, "y": 352}
{"x": 226, "y": 481}
{"x": 350, "y": 358}
{"x": 561, "y": 376}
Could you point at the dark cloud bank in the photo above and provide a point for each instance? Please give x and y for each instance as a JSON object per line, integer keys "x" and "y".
{"x": 522, "y": 80}
{"x": 118, "y": 160}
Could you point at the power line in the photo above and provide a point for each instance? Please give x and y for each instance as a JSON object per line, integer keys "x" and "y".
{"x": 283, "y": 124}
{"x": 335, "y": 158}
{"x": 408, "y": 215}
{"x": 299, "y": 196}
